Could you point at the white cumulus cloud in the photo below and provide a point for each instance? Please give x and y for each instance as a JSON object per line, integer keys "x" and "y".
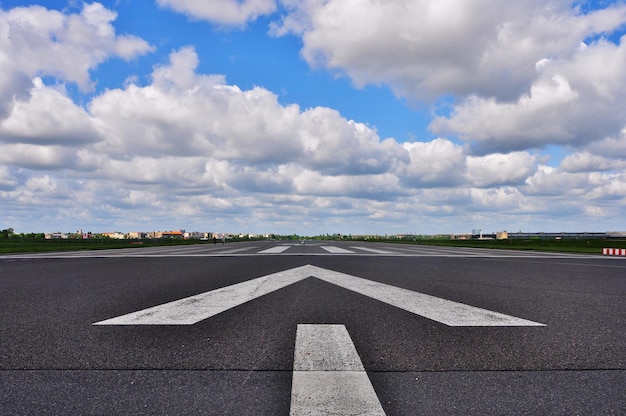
{"x": 500, "y": 169}
{"x": 423, "y": 48}
{"x": 226, "y": 12}
{"x": 517, "y": 73}
{"x": 179, "y": 142}
{"x": 36, "y": 41}
{"x": 572, "y": 102}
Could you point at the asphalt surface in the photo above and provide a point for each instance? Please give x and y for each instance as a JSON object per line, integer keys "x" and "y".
{"x": 54, "y": 361}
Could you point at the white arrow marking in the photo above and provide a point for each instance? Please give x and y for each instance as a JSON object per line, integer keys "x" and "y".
{"x": 328, "y": 376}
{"x": 441, "y": 310}
{"x": 193, "y": 309}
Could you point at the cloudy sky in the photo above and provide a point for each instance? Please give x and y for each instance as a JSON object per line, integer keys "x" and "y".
{"x": 313, "y": 116}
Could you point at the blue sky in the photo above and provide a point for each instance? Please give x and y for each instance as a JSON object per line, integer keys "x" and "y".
{"x": 249, "y": 57}
{"x": 316, "y": 116}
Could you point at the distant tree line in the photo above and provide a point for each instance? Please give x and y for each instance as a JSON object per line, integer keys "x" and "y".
{"x": 10, "y": 233}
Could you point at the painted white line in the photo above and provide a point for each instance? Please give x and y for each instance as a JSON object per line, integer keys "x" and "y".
{"x": 275, "y": 250}
{"x": 328, "y": 376}
{"x": 195, "y": 308}
{"x": 441, "y": 310}
{"x": 373, "y": 250}
{"x": 337, "y": 250}
{"x": 325, "y": 348}
{"x": 233, "y": 250}
{"x": 188, "y": 311}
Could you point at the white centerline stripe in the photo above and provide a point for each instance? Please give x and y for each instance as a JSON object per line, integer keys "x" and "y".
{"x": 337, "y": 250}
{"x": 195, "y": 308}
{"x": 275, "y": 250}
{"x": 328, "y": 376}
{"x": 325, "y": 348}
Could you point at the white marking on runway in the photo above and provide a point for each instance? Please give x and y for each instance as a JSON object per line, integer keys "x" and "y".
{"x": 274, "y": 250}
{"x": 234, "y": 250}
{"x": 188, "y": 311}
{"x": 441, "y": 310}
{"x": 325, "y": 348}
{"x": 193, "y": 309}
{"x": 328, "y": 376}
{"x": 337, "y": 250}
{"x": 211, "y": 250}
{"x": 373, "y": 250}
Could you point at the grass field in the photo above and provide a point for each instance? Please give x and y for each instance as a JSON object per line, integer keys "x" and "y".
{"x": 25, "y": 245}
{"x": 564, "y": 245}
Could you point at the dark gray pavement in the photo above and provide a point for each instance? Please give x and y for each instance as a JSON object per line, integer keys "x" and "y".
{"x": 54, "y": 361}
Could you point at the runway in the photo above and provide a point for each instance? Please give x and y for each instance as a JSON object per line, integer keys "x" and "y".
{"x": 297, "y": 248}
{"x": 543, "y": 333}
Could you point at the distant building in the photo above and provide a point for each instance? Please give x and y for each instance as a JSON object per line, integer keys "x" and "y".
{"x": 248, "y": 236}
{"x": 560, "y": 235}
{"x": 169, "y": 234}
{"x": 115, "y": 235}
{"x": 194, "y": 235}
{"x": 56, "y": 236}
{"x": 502, "y": 235}
{"x": 137, "y": 235}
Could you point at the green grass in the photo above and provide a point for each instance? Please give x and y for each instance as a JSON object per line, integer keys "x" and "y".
{"x": 25, "y": 245}
{"x": 594, "y": 246}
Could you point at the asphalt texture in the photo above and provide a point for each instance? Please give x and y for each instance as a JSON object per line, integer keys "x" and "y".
{"x": 54, "y": 361}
